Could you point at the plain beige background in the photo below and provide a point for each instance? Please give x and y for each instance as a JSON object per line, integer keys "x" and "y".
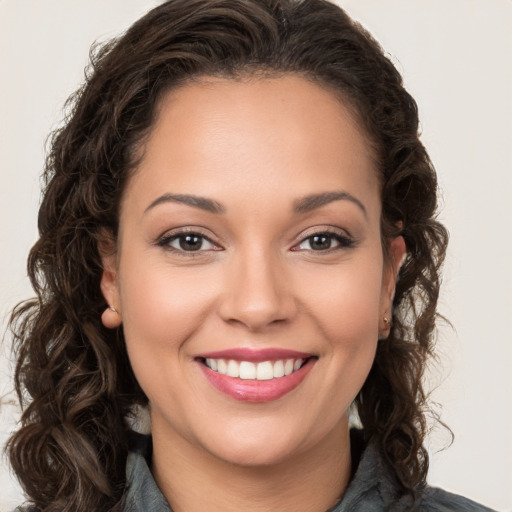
{"x": 456, "y": 57}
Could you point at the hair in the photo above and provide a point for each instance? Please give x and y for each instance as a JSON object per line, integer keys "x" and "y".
{"x": 73, "y": 376}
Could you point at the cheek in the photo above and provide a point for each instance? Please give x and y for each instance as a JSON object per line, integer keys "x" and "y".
{"x": 162, "y": 308}
{"x": 345, "y": 301}
{"x": 160, "y": 304}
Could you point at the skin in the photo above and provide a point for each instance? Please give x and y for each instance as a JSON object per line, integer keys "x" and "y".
{"x": 255, "y": 146}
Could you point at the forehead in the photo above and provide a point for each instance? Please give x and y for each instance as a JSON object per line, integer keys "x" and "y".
{"x": 256, "y": 134}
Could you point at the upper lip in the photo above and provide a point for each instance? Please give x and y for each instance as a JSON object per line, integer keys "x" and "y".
{"x": 255, "y": 355}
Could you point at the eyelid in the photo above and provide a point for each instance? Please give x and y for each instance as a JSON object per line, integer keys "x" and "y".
{"x": 344, "y": 238}
{"x": 164, "y": 239}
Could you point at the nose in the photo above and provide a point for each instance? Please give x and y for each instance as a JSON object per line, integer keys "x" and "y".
{"x": 257, "y": 293}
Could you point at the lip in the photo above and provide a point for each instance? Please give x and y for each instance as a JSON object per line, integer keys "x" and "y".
{"x": 255, "y": 355}
{"x": 256, "y": 391}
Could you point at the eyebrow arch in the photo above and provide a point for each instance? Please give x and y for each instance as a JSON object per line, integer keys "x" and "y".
{"x": 195, "y": 201}
{"x": 314, "y": 201}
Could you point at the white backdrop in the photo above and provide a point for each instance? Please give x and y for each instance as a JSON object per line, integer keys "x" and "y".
{"x": 456, "y": 58}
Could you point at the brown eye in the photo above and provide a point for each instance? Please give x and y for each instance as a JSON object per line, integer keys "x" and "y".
{"x": 324, "y": 241}
{"x": 320, "y": 242}
{"x": 187, "y": 242}
{"x": 190, "y": 242}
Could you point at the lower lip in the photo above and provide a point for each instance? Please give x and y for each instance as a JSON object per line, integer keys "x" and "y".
{"x": 256, "y": 390}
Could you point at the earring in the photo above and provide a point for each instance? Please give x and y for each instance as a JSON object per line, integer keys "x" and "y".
{"x": 111, "y": 318}
{"x": 385, "y": 334}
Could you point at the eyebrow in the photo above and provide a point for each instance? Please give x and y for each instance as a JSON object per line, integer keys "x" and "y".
{"x": 304, "y": 205}
{"x": 202, "y": 203}
{"x": 314, "y": 201}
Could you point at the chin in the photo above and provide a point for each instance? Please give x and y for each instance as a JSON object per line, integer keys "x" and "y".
{"x": 255, "y": 455}
{"x": 252, "y": 447}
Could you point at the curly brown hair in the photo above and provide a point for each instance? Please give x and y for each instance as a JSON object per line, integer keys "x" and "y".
{"x": 73, "y": 376}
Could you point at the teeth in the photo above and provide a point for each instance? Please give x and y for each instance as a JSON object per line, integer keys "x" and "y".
{"x": 222, "y": 367}
{"x": 265, "y": 371}
{"x": 247, "y": 370}
{"x": 288, "y": 367}
{"x": 278, "y": 369}
{"x": 212, "y": 363}
{"x": 233, "y": 369}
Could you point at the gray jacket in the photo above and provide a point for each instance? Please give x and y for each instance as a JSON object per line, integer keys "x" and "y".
{"x": 374, "y": 488}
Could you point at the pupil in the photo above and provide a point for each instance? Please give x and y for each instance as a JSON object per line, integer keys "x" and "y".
{"x": 319, "y": 242}
{"x": 190, "y": 242}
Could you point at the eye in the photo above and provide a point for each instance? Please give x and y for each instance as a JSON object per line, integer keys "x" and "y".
{"x": 324, "y": 241}
{"x": 188, "y": 242}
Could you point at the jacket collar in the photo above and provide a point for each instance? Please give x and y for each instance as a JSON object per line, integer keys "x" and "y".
{"x": 143, "y": 495}
{"x": 372, "y": 489}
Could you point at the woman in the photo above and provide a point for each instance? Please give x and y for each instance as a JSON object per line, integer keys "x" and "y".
{"x": 238, "y": 232}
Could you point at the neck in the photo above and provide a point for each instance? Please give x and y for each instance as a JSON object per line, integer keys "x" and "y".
{"x": 311, "y": 481}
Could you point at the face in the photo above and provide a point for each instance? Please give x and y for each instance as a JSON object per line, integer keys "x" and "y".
{"x": 249, "y": 272}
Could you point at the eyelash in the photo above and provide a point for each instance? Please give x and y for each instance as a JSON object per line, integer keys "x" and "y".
{"x": 166, "y": 240}
{"x": 344, "y": 242}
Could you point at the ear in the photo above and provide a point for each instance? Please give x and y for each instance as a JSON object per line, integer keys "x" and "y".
{"x": 109, "y": 285}
{"x": 392, "y": 263}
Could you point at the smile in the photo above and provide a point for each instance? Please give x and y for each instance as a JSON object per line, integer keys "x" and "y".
{"x": 247, "y": 370}
{"x": 256, "y": 375}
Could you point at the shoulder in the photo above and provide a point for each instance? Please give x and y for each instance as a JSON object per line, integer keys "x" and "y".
{"x": 376, "y": 488}
{"x": 438, "y": 500}
{"x": 142, "y": 493}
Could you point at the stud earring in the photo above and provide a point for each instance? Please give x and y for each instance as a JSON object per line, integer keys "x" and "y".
{"x": 383, "y": 335}
{"x": 111, "y": 318}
